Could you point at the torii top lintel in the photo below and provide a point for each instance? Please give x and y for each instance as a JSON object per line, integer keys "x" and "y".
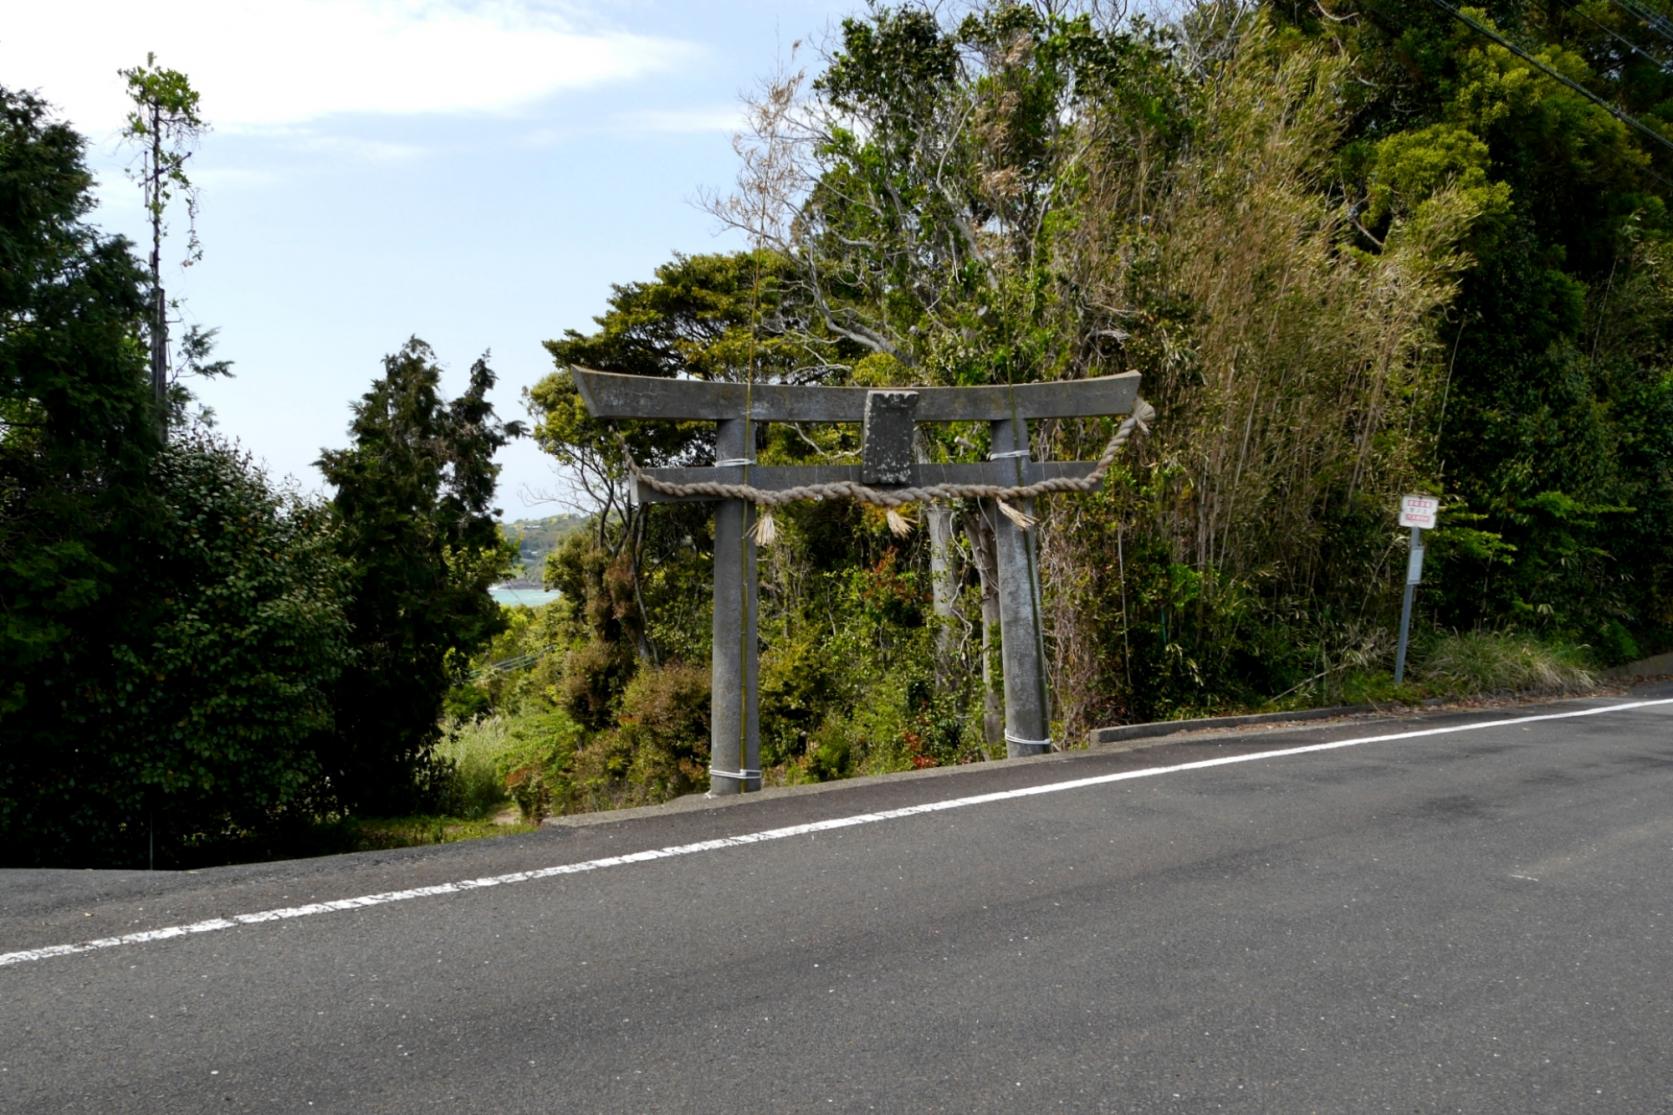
{"x": 613, "y": 395}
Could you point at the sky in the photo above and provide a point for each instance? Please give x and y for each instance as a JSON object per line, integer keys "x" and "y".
{"x": 476, "y": 174}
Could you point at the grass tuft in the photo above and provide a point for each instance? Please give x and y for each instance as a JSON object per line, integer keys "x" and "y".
{"x": 476, "y": 750}
{"x": 1482, "y": 662}
{"x": 384, "y": 833}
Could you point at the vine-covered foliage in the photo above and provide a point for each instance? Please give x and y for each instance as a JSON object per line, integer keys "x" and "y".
{"x": 1353, "y": 257}
{"x": 1550, "y": 444}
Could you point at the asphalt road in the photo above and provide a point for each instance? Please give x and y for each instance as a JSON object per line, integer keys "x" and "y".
{"x": 1474, "y": 919}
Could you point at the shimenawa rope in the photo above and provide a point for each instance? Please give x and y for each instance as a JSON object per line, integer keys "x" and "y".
{"x": 892, "y": 498}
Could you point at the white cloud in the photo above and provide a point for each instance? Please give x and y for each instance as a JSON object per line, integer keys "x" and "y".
{"x": 360, "y": 149}
{"x": 265, "y": 66}
{"x": 725, "y": 119}
{"x": 212, "y": 180}
{"x": 693, "y": 120}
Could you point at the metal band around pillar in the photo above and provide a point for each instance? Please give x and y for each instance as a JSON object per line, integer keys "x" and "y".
{"x": 735, "y": 775}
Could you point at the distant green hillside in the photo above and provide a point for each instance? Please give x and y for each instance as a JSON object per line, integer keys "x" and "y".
{"x": 535, "y": 539}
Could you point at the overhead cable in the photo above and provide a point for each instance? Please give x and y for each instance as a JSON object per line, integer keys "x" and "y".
{"x": 1620, "y": 114}
{"x": 1654, "y": 20}
{"x": 1618, "y": 37}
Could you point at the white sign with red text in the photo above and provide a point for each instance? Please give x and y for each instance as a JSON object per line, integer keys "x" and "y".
{"x": 1419, "y": 511}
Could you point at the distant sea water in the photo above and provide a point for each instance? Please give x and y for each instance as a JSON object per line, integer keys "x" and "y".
{"x": 527, "y": 597}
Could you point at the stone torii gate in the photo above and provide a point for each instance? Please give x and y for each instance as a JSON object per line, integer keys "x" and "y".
{"x": 886, "y": 476}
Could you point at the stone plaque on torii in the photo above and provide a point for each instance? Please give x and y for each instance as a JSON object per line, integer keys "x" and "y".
{"x": 887, "y": 476}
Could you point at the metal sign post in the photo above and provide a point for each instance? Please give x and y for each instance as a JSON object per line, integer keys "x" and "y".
{"x": 887, "y": 476}
{"x": 1418, "y": 513}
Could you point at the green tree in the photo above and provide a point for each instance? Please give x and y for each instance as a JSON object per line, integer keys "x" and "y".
{"x": 165, "y": 123}
{"x": 719, "y": 317}
{"x": 193, "y": 728}
{"x": 418, "y": 529}
{"x": 938, "y": 168}
{"x": 716, "y": 317}
{"x": 224, "y": 703}
{"x": 1558, "y": 359}
{"x": 76, "y": 441}
{"x": 171, "y": 624}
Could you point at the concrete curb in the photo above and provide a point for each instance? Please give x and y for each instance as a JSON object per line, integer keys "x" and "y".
{"x": 1125, "y": 732}
{"x": 1098, "y": 737}
{"x": 1657, "y": 666}
{"x": 1648, "y": 669}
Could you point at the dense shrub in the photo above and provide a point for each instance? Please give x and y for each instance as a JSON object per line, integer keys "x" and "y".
{"x": 203, "y": 723}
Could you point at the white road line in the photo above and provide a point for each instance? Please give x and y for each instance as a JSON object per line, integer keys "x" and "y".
{"x": 722, "y": 843}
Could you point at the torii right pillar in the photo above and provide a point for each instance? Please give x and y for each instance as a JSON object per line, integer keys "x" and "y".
{"x": 1021, "y": 632}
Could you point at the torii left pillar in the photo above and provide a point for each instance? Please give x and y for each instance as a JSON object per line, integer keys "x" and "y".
{"x": 734, "y": 713}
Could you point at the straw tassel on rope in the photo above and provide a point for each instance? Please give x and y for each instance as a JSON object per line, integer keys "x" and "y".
{"x": 1017, "y": 515}
{"x": 766, "y": 529}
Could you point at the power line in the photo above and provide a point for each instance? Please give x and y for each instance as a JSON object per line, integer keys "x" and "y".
{"x": 1655, "y": 21}
{"x": 1618, "y": 37}
{"x": 1620, "y": 114}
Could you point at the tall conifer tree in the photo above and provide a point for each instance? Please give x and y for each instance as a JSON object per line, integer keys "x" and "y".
{"x": 414, "y": 496}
